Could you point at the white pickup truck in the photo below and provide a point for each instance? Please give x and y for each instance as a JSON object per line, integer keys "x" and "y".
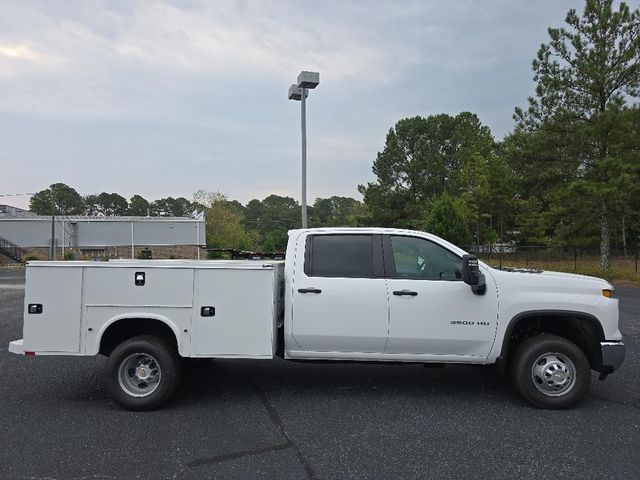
{"x": 343, "y": 294}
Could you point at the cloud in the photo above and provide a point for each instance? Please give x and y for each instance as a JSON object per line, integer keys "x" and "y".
{"x": 18, "y": 51}
{"x": 188, "y": 94}
{"x": 92, "y": 54}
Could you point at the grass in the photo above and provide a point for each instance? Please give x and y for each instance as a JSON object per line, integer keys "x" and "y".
{"x": 621, "y": 272}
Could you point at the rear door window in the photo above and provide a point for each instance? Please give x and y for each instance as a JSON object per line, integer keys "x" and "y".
{"x": 350, "y": 256}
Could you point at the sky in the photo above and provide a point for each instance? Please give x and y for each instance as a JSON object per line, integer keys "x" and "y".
{"x": 167, "y": 98}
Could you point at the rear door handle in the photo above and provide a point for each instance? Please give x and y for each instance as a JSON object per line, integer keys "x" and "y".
{"x": 309, "y": 290}
{"x": 402, "y": 293}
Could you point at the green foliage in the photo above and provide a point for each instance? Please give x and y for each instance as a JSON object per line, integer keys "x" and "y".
{"x": 426, "y": 158}
{"x": 67, "y": 201}
{"x": 336, "y": 212}
{"x": 587, "y": 67}
{"x": 91, "y": 206}
{"x": 138, "y": 206}
{"x": 531, "y": 223}
{"x": 447, "y": 218}
{"x": 144, "y": 254}
{"x": 113, "y": 204}
{"x": 422, "y": 159}
{"x": 271, "y": 219}
{"x": 172, "y": 207}
{"x": 225, "y": 228}
{"x": 108, "y": 204}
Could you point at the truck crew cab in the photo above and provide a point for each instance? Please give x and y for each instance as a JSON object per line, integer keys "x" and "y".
{"x": 342, "y": 294}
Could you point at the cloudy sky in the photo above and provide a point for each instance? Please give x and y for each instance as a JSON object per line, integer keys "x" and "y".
{"x": 166, "y": 98}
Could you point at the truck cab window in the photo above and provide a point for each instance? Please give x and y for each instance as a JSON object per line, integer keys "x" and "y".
{"x": 417, "y": 258}
{"x": 341, "y": 256}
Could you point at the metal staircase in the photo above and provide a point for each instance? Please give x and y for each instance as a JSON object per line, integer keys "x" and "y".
{"x": 13, "y": 251}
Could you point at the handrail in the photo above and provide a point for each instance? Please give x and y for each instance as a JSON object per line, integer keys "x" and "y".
{"x": 11, "y": 250}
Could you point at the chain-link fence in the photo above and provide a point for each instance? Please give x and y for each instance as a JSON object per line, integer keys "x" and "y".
{"x": 567, "y": 259}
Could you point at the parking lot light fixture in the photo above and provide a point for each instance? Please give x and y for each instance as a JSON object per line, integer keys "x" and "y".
{"x": 308, "y": 80}
{"x": 295, "y": 93}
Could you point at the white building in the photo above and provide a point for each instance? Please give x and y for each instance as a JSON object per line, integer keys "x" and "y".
{"x": 104, "y": 236}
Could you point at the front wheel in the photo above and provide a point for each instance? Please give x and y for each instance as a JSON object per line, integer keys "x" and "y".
{"x": 550, "y": 372}
{"x": 142, "y": 372}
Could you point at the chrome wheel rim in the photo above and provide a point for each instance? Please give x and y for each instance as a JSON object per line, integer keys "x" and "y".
{"x": 553, "y": 374}
{"x": 139, "y": 374}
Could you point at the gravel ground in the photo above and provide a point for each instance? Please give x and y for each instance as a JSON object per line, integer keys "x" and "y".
{"x": 275, "y": 419}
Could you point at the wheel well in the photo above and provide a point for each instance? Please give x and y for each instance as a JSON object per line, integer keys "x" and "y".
{"x": 120, "y": 330}
{"x": 582, "y": 329}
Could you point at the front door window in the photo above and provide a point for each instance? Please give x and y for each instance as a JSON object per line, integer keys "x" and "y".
{"x": 420, "y": 259}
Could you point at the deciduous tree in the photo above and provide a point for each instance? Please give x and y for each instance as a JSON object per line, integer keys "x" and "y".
{"x": 172, "y": 207}
{"x": 422, "y": 158}
{"x": 67, "y": 201}
{"x": 139, "y": 206}
{"x": 225, "y": 228}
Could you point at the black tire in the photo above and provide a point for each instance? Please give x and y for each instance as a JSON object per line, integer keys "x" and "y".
{"x": 152, "y": 354}
{"x": 532, "y": 367}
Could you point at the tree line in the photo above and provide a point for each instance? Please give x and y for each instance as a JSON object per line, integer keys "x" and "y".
{"x": 259, "y": 225}
{"x": 65, "y": 200}
{"x": 263, "y": 224}
{"x": 567, "y": 175}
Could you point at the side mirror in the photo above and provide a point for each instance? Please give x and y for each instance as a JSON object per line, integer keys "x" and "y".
{"x": 472, "y": 276}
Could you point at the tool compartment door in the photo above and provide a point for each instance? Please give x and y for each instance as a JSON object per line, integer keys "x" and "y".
{"x": 57, "y": 328}
{"x": 242, "y": 323}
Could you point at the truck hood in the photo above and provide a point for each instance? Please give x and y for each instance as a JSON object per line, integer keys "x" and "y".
{"x": 574, "y": 276}
{"x": 532, "y": 277}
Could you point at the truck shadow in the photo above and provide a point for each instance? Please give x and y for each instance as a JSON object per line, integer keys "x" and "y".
{"x": 285, "y": 379}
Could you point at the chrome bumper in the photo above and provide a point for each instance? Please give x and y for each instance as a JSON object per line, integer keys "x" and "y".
{"x": 612, "y": 356}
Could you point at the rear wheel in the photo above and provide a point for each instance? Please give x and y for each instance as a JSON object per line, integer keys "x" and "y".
{"x": 142, "y": 372}
{"x": 550, "y": 372}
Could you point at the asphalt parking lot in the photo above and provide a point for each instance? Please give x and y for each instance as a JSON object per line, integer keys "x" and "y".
{"x": 274, "y": 419}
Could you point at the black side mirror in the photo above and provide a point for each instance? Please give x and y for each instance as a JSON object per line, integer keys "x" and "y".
{"x": 472, "y": 276}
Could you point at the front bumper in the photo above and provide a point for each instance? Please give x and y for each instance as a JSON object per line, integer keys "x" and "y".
{"x": 612, "y": 356}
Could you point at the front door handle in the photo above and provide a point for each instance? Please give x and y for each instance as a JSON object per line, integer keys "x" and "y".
{"x": 402, "y": 293}
{"x": 309, "y": 290}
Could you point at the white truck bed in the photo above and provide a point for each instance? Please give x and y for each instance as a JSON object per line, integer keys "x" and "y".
{"x": 81, "y": 300}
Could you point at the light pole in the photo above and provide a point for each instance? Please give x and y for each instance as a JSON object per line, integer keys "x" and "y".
{"x": 306, "y": 81}
{"x": 52, "y": 250}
